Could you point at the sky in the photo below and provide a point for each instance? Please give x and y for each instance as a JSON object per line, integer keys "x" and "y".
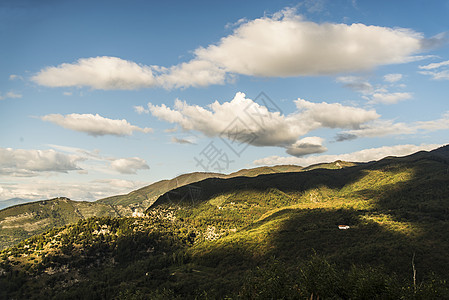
{"x": 99, "y": 98}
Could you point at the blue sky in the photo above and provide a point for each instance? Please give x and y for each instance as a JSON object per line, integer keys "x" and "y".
{"x": 99, "y": 98}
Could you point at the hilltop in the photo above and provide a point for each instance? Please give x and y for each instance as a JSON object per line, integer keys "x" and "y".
{"x": 271, "y": 236}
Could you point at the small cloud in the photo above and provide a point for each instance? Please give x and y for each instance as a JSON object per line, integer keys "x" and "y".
{"x": 340, "y": 137}
{"x": 182, "y": 141}
{"x": 441, "y": 74}
{"x": 440, "y": 124}
{"x": 67, "y": 93}
{"x": 129, "y": 165}
{"x": 389, "y": 98}
{"x": 14, "y": 77}
{"x": 171, "y": 130}
{"x": 94, "y": 125}
{"x": 305, "y": 146}
{"x": 236, "y": 24}
{"x": 141, "y": 110}
{"x": 357, "y": 84}
{"x": 435, "y": 65}
{"x": 10, "y": 95}
{"x": 392, "y": 77}
{"x": 380, "y": 128}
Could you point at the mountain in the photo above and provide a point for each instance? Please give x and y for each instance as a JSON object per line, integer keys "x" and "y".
{"x": 274, "y": 236}
{"x": 25, "y": 220}
{"x": 142, "y": 198}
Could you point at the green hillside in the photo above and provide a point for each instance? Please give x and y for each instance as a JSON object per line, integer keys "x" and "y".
{"x": 144, "y": 197}
{"x": 25, "y": 220}
{"x": 274, "y": 236}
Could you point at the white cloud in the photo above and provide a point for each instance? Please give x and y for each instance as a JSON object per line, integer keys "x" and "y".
{"x": 357, "y": 84}
{"x": 436, "y": 75}
{"x": 171, "y": 130}
{"x": 435, "y": 65}
{"x": 94, "y": 125}
{"x": 97, "y": 162}
{"x": 389, "y": 98}
{"x": 305, "y": 146}
{"x": 141, "y": 110}
{"x": 435, "y": 125}
{"x": 282, "y": 45}
{"x": 10, "y": 95}
{"x": 20, "y": 162}
{"x": 47, "y": 189}
{"x": 332, "y": 115}
{"x": 67, "y": 93}
{"x": 103, "y": 72}
{"x": 129, "y": 165}
{"x": 379, "y": 128}
{"x": 358, "y": 156}
{"x": 442, "y": 75}
{"x": 246, "y": 121}
{"x": 14, "y": 77}
{"x": 195, "y": 73}
{"x": 377, "y": 95}
{"x": 182, "y": 141}
{"x": 287, "y": 45}
{"x": 392, "y": 77}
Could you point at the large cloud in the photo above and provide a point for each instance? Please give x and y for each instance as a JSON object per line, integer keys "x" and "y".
{"x": 21, "y": 162}
{"x": 358, "y": 156}
{"x": 282, "y": 45}
{"x": 94, "y": 125}
{"x": 246, "y": 121}
{"x": 287, "y": 45}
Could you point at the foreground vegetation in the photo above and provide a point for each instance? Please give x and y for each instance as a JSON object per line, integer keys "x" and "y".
{"x": 270, "y": 237}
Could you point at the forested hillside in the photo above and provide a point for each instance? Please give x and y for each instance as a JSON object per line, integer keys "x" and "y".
{"x": 270, "y": 236}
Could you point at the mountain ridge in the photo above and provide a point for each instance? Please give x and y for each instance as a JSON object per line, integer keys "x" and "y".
{"x": 270, "y": 236}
